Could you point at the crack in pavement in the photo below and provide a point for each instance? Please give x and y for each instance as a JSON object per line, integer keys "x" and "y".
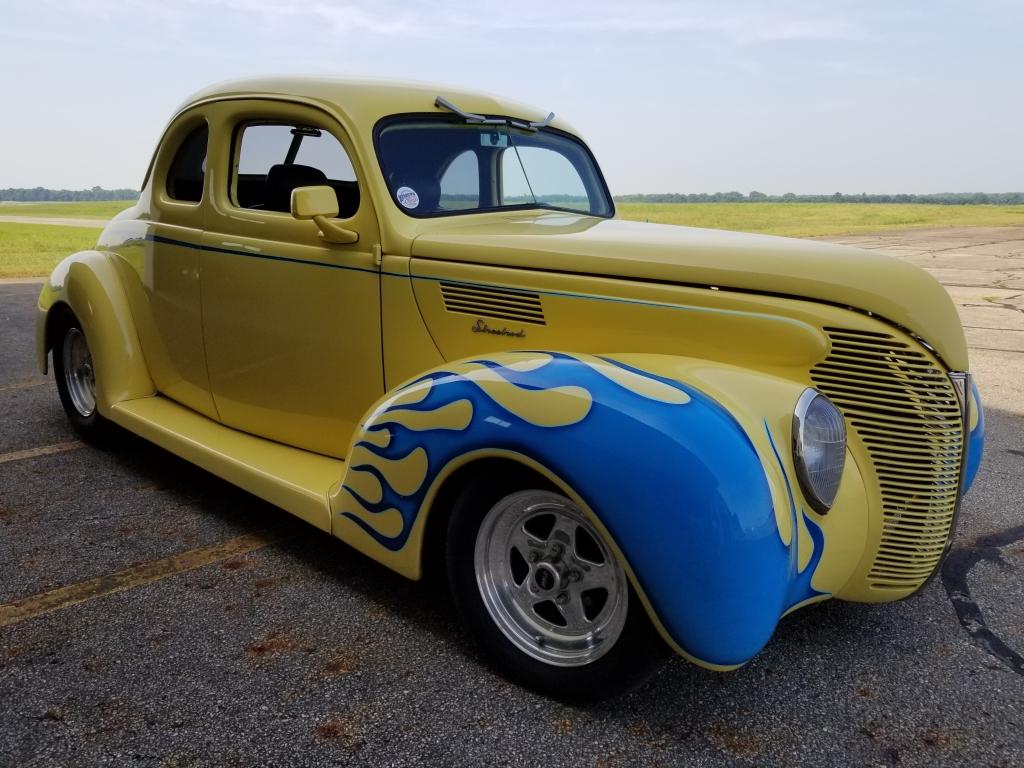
{"x": 1001, "y": 304}
{"x": 929, "y": 252}
{"x": 955, "y": 569}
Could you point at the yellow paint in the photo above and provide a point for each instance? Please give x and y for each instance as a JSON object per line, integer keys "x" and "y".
{"x": 524, "y": 362}
{"x": 973, "y": 411}
{"x": 89, "y": 284}
{"x": 365, "y": 484}
{"x": 556, "y": 407}
{"x": 378, "y": 437}
{"x": 293, "y": 479}
{"x": 412, "y": 394}
{"x": 805, "y": 546}
{"x": 634, "y": 382}
{"x": 409, "y": 350}
{"x": 405, "y": 475}
{"x": 454, "y": 415}
{"x": 387, "y": 523}
{"x": 293, "y": 342}
{"x": 544, "y": 241}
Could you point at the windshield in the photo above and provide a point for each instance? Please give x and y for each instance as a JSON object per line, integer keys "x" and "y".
{"x": 437, "y": 166}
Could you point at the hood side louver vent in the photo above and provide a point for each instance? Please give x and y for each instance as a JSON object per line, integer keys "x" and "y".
{"x": 485, "y": 301}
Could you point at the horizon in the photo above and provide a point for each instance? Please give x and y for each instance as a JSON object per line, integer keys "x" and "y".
{"x": 747, "y": 196}
{"x": 671, "y": 96}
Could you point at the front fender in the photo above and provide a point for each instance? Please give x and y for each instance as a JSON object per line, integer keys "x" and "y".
{"x": 88, "y": 283}
{"x": 695, "y": 497}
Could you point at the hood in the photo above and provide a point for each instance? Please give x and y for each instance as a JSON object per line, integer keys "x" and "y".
{"x": 897, "y": 292}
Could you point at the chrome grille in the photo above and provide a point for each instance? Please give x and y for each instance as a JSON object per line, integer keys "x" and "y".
{"x": 906, "y": 412}
{"x": 503, "y": 303}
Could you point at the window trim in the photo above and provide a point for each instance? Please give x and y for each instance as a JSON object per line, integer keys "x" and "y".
{"x": 172, "y": 210}
{"x": 384, "y": 122}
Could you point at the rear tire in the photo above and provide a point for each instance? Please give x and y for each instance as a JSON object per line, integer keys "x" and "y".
{"x": 76, "y": 379}
{"x": 544, "y": 595}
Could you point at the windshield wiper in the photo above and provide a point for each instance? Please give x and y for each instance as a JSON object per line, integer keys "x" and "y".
{"x": 474, "y": 119}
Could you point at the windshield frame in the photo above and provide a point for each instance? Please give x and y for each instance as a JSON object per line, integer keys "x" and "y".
{"x": 384, "y": 122}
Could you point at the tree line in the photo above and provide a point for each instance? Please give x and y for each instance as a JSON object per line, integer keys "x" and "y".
{"x": 44, "y": 195}
{"x": 940, "y": 198}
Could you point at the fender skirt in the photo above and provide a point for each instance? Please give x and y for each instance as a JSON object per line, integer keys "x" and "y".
{"x": 669, "y": 474}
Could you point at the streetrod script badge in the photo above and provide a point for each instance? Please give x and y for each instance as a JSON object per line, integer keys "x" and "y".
{"x": 482, "y": 327}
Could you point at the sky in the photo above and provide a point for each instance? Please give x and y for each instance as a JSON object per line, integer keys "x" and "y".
{"x": 804, "y": 96}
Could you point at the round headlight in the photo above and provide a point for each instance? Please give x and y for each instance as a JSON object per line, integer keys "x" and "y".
{"x": 819, "y": 448}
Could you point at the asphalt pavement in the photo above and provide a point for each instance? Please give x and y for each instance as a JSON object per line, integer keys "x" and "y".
{"x": 154, "y": 615}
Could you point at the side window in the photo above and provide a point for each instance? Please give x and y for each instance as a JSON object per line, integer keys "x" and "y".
{"x": 460, "y": 183}
{"x": 188, "y": 169}
{"x": 275, "y": 158}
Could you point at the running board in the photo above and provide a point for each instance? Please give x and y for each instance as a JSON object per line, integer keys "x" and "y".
{"x": 290, "y": 478}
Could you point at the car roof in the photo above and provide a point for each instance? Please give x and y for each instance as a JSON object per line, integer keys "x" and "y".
{"x": 367, "y": 100}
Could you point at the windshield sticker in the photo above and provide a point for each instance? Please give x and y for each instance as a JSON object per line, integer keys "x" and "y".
{"x": 407, "y": 197}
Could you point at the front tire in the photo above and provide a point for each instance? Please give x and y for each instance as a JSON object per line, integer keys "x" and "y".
{"x": 76, "y": 379}
{"x": 545, "y": 596}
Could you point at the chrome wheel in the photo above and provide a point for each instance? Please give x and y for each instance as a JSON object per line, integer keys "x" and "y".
{"x": 548, "y": 580}
{"x": 78, "y": 372}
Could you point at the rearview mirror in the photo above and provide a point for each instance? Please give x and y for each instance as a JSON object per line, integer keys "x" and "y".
{"x": 321, "y": 205}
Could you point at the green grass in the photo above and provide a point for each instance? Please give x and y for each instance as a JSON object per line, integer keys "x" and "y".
{"x": 84, "y": 210}
{"x": 811, "y": 219}
{"x": 30, "y": 250}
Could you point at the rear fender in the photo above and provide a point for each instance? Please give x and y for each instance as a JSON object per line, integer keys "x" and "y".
{"x": 88, "y": 284}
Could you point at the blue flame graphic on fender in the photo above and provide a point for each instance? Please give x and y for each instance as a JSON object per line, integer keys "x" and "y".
{"x": 669, "y": 472}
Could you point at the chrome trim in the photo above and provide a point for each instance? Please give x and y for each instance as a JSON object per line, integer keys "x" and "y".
{"x": 472, "y": 118}
{"x": 961, "y": 381}
{"x": 963, "y": 384}
{"x": 807, "y": 397}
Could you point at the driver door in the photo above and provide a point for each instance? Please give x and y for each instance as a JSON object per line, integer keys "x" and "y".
{"x": 291, "y": 322}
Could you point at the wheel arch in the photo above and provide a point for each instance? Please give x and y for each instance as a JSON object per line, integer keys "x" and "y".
{"x": 526, "y": 474}
{"x": 87, "y": 286}
{"x": 57, "y": 314}
{"x": 450, "y": 487}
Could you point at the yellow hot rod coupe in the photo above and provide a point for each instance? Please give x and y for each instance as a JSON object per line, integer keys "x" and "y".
{"x": 407, "y": 315}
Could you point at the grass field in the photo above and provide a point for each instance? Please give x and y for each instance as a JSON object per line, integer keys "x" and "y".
{"x": 86, "y": 210}
{"x": 29, "y": 249}
{"x": 812, "y": 219}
